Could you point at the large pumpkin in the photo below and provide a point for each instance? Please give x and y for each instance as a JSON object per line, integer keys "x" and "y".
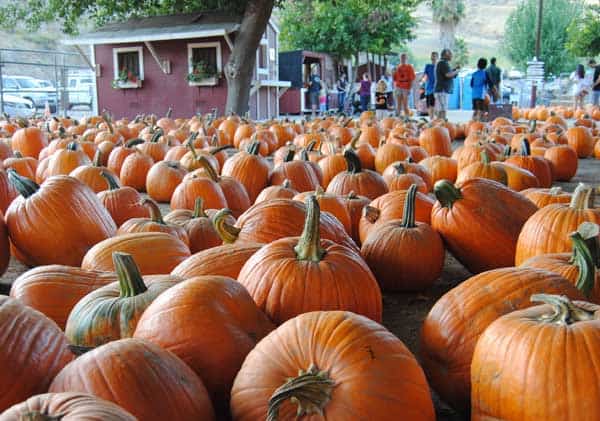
{"x": 539, "y": 166}
{"x": 363, "y": 182}
{"x": 452, "y": 327}
{"x": 436, "y": 141}
{"x": 518, "y": 353}
{"x": 122, "y": 202}
{"x": 57, "y": 222}
{"x": 29, "y": 141}
{"x": 331, "y": 365}
{"x": 222, "y": 324}
{"x": 250, "y": 169}
{"x": 144, "y": 379}
{"x": 112, "y": 311}
{"x": 480, "y": 222}
{"x": 32, "y": 351}
{"x": 276, "y": 274}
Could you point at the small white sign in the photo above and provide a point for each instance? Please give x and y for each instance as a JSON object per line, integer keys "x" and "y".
{"x": 272, "y": 54}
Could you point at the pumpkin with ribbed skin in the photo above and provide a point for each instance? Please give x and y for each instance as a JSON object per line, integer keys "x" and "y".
{"x": 518, "y": 352}
{"x": 547, "y": 231}
{"x": 29, "y": 141}
{"x": 250, "y": 169}
{"x": 8, "y": 193}
{"x": 483, "y": 169}
{"x": 118, "y": 155}
{"x": 388, "y": 153}
{"x": 134, "y": 170}
{"x": 41, "y": 222}
{"x": 436, "y": 141}
{"x": 67, "y": 406}
{"x": 197, "y": 225}
{"x": 162, "y": 179}
{"x": 283, "y": 191}
{"x": 355, "y": 205}
{"x": 153, "y": 148}
{"x": 359, "y": 369}
{"x": 64, "y": 161}
{"x": 222, "y": 324}
{"x": 363, "y": 182}
{"x": 32, "y": 351}
{"x": 581, "y": 140}
{"x": 452, "y": 327}
{"x": 441, "y": 168}
{"x": 279, "y": 269}
{"x": 144, "y": 247}
{"x": 389, "y": 207}
{"x": 54, "y": 289}
{"x": 301, "y": 174}
{"x": 544, "y": 197}
{"x": 122, "y": 202}
{"x": 332, "y": 165}
{"x": 111, "y": 312}
{"x": 23, "y": 165}
{"x": 518, "y": 178}
{"x": 537, "y": 165}
{"x": 480, "y": 222}
{"x": 329, "y": 203}
{"x": 184, "y": 196}
{"x": 399, "y": 169}
{"x": 564, "y": 162}
{"x": 123, "y": 371}
{"x": 403, "y": 254}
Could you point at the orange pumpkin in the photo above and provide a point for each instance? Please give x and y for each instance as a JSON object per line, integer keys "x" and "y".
{"x": 197, "y": 225}
{"x": 135, "y": 169}
{"x": 436, "y": 141}
{"x": 29, "y": 141}
{"x": 537, "y": 165}
{"x": 483, "y": 169}
{"x": 250, "y": 169}
{"x": 363, "y": 182}
{"x": 441, "y": 168}
{"x": 544, "y": 197}
{"x": 122, "y": 203}
{"x": 564, "y": 162}
{"x": 581, "y": 140}
{"x": 283, "y": 191}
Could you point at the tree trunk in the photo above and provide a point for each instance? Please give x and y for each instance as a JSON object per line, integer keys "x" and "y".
{"x": 447, "y": 34}
{"x": 240, "y": 67}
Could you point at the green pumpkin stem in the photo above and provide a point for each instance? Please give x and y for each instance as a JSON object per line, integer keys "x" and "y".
{"x": 525, "y": 148}
{"x": 157, "y": 135}
{"x": 208, "y": 168}
{"x": 399, "y": 168}
{"x": 585, "y": 262}
{"x": 17, "y": 154}
{"x": 228, "y": 233}
{"x": 309, "y": 245}
{"x": 408, "y": 214}
{"x": 311, "y": 391}
{"x": 565, "y": 312}
{"x": 304, "y": 155}
{"x": 485, "y": 158}
{"x": 97, "y": 161}
{"x": 582, "y": 196}
{"x": 192, "y": 149}
{"x": 134, "y": 142}
{"x": 218, "y": 149}
{"x": 353, "y": 162}
{"x": 130, "y": 279}
{"x": 72, "y": 146}
{"x": 113, "y": 182}
{"x": 23, "y": 185}
{"x": 155, "y": 214}
{"x": 253, "y": 148}
{"x": 199, "y": 208}
{"x": 289, "y": 156}
{"x": 446, "y": 193}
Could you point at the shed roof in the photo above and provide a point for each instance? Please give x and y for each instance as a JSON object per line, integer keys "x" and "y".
{"x": 158, "y": 28}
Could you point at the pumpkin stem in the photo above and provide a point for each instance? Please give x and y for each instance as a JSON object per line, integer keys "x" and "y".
{"x": 309, "y": 245}
{"x": 199, "y": 208}
{"x": 304, "y": 155}
{"x": 555, "y": 191}
{"x": 134, "y": 142}
{"x": 485, "y": 158}
{"x": 190, "y": 146}
{"x": 228, "y": 233}
{"x": 371, "y": 213}
{"x": 399, "y": 168}
{"x": 113, "y": 182}
{"x": 581, "y": 197}
{"x": 212, "y": 174}
{"x": 23, "y": 185}
{"x": 218, "y": 149}
{"x": 525, "y": 148}
{"x": 353, "y": 162}
{"x": 155, "y": 215}
{"x": 408, "y": 214}
{"x": 289, "y": 156}
{"x": 157, "y": 135}
{"x": 17, "y": 154}
{"x": 97, "y": 162}
{"x": 446, "y": 193}
{"x": 286, "y": 183}
{"x": 128, "y": 274}
{"x": 565, "y": 311}
{"x": 311, "y": 391}
{"x": 583, "y": 258}
{"x": 72, "y": 146}
{"x": 254, "y": 148}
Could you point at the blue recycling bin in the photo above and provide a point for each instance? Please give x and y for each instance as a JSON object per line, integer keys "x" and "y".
{"x": 467, "y": 103}
{"x": 454, "y": 99}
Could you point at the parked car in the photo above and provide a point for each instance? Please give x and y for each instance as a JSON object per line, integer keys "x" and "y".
{"x": 27, "y": 88}
{"x": 44, "y": 83}
{"x": 81, "y": 90}
{"x": 15, "y": 106}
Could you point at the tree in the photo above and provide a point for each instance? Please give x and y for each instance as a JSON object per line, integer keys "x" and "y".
{"x": 254, "y": 16}
{"x": 447, "y": 14}
{"x": 519, "y": 34}
{"x": 583, "y": 34}
{"x": 460, "y": 52}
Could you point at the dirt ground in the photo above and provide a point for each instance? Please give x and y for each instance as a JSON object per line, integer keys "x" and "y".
{"x": 404, "y": 313}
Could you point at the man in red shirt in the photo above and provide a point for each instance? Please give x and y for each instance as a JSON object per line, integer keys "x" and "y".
{"x": 403, "y": 79}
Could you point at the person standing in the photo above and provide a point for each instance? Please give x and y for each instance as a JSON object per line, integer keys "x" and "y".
{"x": 323, "y": 98}
{"x": 479, "y": 82}
{"x": 403, "y": 79}
{"x": 342, "y": 88}
{"x": 429, "y": 77}
{"x": 444, "y": 83}
{"x": 494, "y": 74}
{"x": 365, "y": 92}
{"x": 381, "y": 100}
{"x": 314, "y": 89}
{"x": 389, "y": 88}
{"x": 595, "y": 82}
{"x": 580, "y": 86}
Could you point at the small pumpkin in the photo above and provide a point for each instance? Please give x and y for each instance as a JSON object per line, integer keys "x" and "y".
{"x": 483, "y": 169}
{"x": 197, "y": 225}
{"x": 441, "y": 168}
{"x": 29, "y": 141}
{"x": 564, "y": 161}
{"x": 184, "y": 196}
{"x": 301, "y": 174}
{"x": 580, "y": 139}
{"x": 544, "y": 197}
{"x": 123, "y": 203}
{"x": 363, "y": 182}
{"x": 118, "y": 155}
{"x": 162, "y": 180}
{"x": 538, "y": 165}
{"x": 91, "y": 175}
{"x": 250, "y": 169}
{"x": 23, "y": 165}
{"x": 64, "y": 161}
{"x": 283, "y": 191}
{"x": 436, "y": 141}
{"x": 135, "y": 169}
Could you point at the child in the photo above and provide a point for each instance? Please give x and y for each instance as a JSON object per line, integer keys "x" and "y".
{"x": 381, "y": 105}
{"x": 480, "y": 82}
{"x": 323, "y": 98}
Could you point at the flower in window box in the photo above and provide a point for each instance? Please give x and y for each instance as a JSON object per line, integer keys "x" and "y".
{"x": 202, "y": 71}
{"x": 125, "y": 77}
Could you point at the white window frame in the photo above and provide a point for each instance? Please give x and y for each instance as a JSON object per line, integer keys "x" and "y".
{"x": 212, "y": 81}
{"x": 264, "y": 43}
{"x": 140, "y": 51}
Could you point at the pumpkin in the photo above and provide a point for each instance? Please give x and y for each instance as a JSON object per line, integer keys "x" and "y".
{"x": 54, "y": 289}
{"x": 127, "y": 370}
{"x": 91, "y": 175}
{"x": 417, "y": 153}
{"x": 67, "y": 406}
{"x": 363, "y": 182}
{"x": 436, "y": 141}
{"x": 452, "y": 327}
{"x": 547, "y": 230}
{"x": 162, "y": 180}
{"x": 518, "y": 353}
{"x": 250, "y": 169}
{"x": 441, "y": 168}
{"x": 581, "y": 140}
{"x": 134, "y": 170}
{"x": 190, "y": 160}
{"x": 564, "y": 162}
{"x": 41, "y": 222}
{"x": 283, "y": 191}
{"x": 331, "y": 365}
{"x": 355, "y": 204}
{"x": 222, "y": 325}
{"x": 120, "y": 153}
{"x": 403, "y": 254}
{"x": 539, "y": 166}
{"x": 153, "y": 148}
{"x": 123, "y": 203}
{"x": 184, "y": 196}
{"x": 300, "y": 174}
{"x": 197, "y": 225}
{"x": 112, "y": 311}
{"x": 480, "y": 222}
{"x": 388, "y": 153}
{"x": 23, "y": 165}
{"x": 64, "y": 161}
{"x": 518, "y": 178}
{"x": 331, "y": 166}
{"x": 483, "y": 169}
{"x": 544, "y": 197}
{"x": 226, "y": 260}
{"x": 398, "y": 173}
{"x": 29, "y": 141}
{"x": 279, "y": 269}
{"x": 144, "y": 247}
{"x": 32, "y": 351}
{"x": 279, "y": 218}
{"x": 329, "y": 203}
{"x": 390, "y": 206}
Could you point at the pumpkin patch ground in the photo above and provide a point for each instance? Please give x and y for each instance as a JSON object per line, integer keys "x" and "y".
{"x": 323, "y": 197}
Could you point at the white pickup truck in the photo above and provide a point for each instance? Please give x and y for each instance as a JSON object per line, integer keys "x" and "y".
{"x": 80, "y": 89}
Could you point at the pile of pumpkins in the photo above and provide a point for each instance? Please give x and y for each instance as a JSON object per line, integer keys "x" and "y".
{"x": 259, "y": 294}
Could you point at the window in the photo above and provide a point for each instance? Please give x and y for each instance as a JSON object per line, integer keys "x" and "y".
{"x": 204, "y": 63}
{"x": 72, "y": 83}
{"x": 128, "y": 65}
{"x": 262, "y": 58}
{"x": 9, "y": 83}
